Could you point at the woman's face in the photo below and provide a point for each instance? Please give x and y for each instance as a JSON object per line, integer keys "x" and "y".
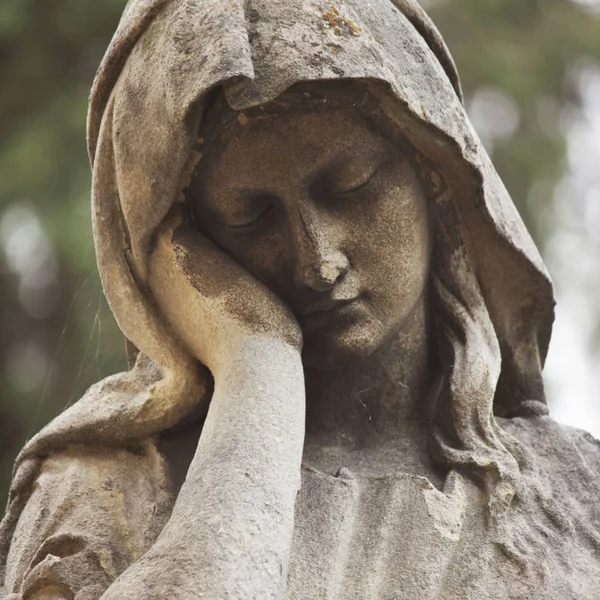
{"x": 330, "y": 215}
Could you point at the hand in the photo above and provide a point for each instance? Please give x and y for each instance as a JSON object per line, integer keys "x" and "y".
{"x": 212, "y": 303}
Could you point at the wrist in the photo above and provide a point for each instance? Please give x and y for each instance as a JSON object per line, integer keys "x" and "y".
{"x": 256, "y": 352}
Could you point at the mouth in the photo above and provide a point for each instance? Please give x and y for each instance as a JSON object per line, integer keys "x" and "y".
{"x": 324, "y": 307}
{"x": 328, "y": 312}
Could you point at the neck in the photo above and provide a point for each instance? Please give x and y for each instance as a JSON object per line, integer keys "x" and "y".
{"x": 382, "y": 398}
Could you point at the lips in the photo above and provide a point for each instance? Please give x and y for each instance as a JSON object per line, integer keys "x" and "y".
{"x": 325, "y": 306}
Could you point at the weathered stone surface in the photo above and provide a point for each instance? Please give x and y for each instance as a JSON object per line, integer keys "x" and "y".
{"x": 337, "y": 325}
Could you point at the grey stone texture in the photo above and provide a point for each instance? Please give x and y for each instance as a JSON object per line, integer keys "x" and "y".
{"x": 336, "y": 322}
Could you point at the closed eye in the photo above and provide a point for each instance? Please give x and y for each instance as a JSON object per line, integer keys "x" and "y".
{"x": 356, "y": 187}
{"x": 249, "y": 221}
{"x": 349, "y": 180}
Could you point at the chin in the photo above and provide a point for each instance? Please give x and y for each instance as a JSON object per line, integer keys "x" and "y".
{"x": 339, "y": 349}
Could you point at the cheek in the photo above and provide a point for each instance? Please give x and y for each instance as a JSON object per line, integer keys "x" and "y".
{"x": 394, "y": 255}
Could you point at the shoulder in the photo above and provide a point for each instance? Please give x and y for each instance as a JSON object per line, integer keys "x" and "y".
{"x": 564, "y": 453}
{"x": 547, "y": 435}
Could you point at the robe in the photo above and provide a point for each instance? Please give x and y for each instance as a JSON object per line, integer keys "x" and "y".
{"x": 93, "y": 511}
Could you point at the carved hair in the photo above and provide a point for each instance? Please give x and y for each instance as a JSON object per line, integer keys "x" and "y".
{"x": 465, "y": 433}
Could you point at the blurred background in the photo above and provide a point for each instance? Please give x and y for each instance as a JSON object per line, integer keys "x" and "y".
{"x": 531, "y": 74}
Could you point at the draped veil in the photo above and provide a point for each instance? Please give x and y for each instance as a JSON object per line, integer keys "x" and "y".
{"x": 145, "y": 111}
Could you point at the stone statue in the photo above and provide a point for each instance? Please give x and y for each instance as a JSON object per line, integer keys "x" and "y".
{"x": 336, "y": 323}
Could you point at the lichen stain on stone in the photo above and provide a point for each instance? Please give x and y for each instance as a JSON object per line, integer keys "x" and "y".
{"x": 336, "y": 21}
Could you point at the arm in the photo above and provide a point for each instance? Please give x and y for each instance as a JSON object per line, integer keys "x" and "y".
{"x": 231, "y": 528}
{"x": 230, "y": 532}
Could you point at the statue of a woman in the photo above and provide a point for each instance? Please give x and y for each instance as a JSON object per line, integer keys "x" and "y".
{"x": 336, "y": 323}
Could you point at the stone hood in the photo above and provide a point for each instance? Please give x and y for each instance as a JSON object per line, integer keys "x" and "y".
{"x": 144, "y": 115}
{"x": 145, "y": 110}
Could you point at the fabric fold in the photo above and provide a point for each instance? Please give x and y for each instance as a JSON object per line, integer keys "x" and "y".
{"x": 145, "y": 111}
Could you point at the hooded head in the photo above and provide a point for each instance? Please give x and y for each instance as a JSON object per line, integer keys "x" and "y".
{"x": 493, "y": 300}
{"x": 145, "y": 113}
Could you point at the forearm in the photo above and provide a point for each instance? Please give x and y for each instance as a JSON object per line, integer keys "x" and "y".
{"x": 253, "y": 436}
{"x": 231, "y": 528}
{"x": 242, "y": 484}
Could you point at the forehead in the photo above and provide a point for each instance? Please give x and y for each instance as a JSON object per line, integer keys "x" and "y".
{"x": 295, "y": 140}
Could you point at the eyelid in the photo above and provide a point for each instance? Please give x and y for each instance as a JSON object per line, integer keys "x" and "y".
{"x": 362, "y": 184}
{"x": 251, "y": 223}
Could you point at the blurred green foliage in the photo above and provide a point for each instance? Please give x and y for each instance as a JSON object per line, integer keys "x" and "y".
{"x": 49, "y": 50}
{"x": 527, "y": 49}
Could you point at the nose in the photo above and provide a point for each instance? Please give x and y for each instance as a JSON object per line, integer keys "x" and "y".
{"x": 319, "y": 264}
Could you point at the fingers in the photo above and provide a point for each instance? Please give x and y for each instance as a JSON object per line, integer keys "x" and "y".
{"x": 208, "y": 299}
